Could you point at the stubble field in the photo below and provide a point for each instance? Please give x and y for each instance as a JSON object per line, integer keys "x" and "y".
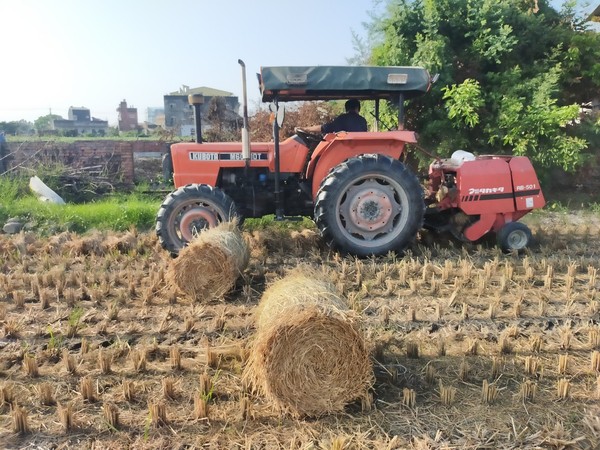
{"x": 471, "y": 348}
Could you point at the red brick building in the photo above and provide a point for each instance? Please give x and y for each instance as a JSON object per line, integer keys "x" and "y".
{"x": 128, "y": 117}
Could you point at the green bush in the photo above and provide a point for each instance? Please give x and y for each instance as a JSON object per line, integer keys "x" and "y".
{"x": 12, "y": 187}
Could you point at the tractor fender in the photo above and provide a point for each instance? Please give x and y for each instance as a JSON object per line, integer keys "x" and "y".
{"x": 338, "y": 147}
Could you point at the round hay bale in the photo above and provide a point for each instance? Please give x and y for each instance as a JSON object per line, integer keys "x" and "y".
{"x": 308, "y": 356}
{"x": 209, "y": 266}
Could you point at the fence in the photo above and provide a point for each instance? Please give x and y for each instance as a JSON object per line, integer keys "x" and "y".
{"x": 111, "y": 159}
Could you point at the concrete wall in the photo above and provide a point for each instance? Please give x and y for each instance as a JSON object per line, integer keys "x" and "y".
{"x": 114, "y": 159}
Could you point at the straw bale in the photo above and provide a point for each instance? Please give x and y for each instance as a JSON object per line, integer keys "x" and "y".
{"x": 210, "y": 265}
{"x": 308, "y": 357}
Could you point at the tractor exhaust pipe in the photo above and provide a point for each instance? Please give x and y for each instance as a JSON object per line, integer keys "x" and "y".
{"x": 196, "y": 100}
{"x": 245, "y": 132}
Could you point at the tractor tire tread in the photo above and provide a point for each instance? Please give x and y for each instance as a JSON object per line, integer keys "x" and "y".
{"x": 355, "y": 167}
{"x": 185, "y": 193}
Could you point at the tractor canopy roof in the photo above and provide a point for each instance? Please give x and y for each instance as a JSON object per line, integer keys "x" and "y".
{"x": 293, "y": 83}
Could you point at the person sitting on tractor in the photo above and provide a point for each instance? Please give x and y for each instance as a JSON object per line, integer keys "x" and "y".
{"x": 351, "y": 120}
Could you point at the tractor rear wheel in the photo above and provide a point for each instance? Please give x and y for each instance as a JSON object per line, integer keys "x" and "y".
{"x": 189, "y": 210}
{"x": 369, "y": 205}
{"x": 514, "y": 236}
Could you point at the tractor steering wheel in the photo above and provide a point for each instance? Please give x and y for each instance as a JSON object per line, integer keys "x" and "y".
{"x": 308, "y": 136}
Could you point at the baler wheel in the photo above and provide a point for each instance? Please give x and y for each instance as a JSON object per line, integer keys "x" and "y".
{"x": 514, "y": 236}
{"x": 189, "y": 210}
{"x": 369, "y": 205}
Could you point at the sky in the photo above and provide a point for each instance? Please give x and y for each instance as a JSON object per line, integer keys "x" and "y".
{"x": 61, "y": 53}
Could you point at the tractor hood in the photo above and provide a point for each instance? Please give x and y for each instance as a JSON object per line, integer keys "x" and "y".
{"x": 295, "y": 83}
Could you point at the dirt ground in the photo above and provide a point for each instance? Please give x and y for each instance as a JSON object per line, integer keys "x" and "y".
{"x": 471, "y": 348}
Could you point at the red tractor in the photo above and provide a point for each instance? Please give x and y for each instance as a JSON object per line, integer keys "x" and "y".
{"x": 364, "y": 200}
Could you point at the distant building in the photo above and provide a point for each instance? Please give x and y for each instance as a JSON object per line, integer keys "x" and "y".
{"x": 155, "y": 116}
{"x": 128, "y": 117}
{"x": 79, "y": 114}
{"x": 80, "y": 122}
{"x": 595, "y": 14}
{"x": 179, "y": 114}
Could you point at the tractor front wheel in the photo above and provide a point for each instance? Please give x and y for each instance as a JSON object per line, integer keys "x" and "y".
{"x": 513, "y": 236}
{"x": 369, "y": 205}
{"x": 189, "y": 210}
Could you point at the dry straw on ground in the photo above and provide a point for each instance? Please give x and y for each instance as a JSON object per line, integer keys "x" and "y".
{"x": 308, "y": 356}
{"x": 210, "y": 265}
{"x": 122, "y": 243}
{"x": 527, "y": 409}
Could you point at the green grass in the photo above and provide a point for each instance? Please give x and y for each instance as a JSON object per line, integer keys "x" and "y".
{"x": 117, "y": 214}
{"x": 269, "y": 221}
{"x": 12, "y": 188}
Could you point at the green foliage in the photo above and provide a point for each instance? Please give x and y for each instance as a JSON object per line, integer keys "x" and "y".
{"x": 131, "y": 134}
{"x": 463, "y": 101}
{"x": 530, "y": 116}
{"x": 511, "y": 77}
{"x": 55, "y": 342}
{"x": 16, "y": 127}
{"x": 43, "y": 123}
{"x": 557, "y": 207}
{"x": 75, "y": 316}
{"x": 491, "y": 37}
{"x": 595, "y": 208}
{"x": 13, "y": 187}
{"x": 207, "y": 396}
{"x": 269, "y": 222}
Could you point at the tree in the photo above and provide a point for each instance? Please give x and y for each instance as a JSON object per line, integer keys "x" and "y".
{"x": 43, "y": 123}
{"x": 296, "y": 115}
{"x": 217, "y": 113}
{"x": 222, "y": 123}
{"x": 16, "y": 127}
{"x": 512, "y": 75}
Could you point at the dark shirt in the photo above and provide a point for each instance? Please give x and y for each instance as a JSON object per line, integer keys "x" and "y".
{"x": 350, "y": 121}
